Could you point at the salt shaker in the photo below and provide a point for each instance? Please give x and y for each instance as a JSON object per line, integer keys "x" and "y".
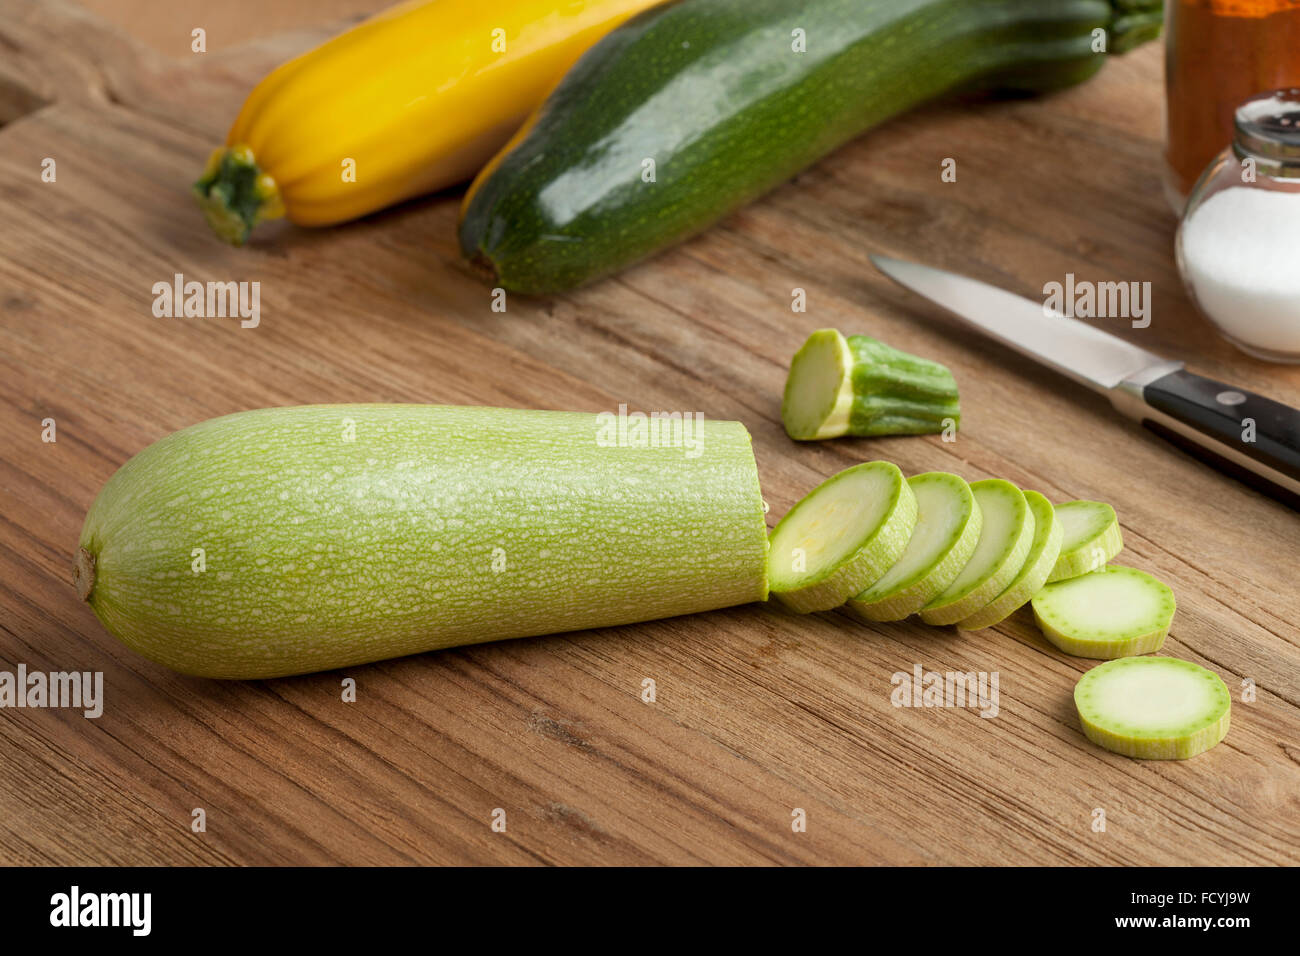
{"x": 1238, "y": 244}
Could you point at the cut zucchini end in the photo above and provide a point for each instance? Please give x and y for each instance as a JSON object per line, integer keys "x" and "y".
{"x": 1004, "y": 542}
{"x": 235, "y": 195}
{"x": 947, "y": 529}
{"x": 897, "y": 393}
{"x": 1092, "y": 537}
{"x": 841, "y": 537}
{"x": 1153, "y": 708}
{"x": 819, "y": 389}
{"x": 1043, "y": 552}
{"x": 1107, "y": 614}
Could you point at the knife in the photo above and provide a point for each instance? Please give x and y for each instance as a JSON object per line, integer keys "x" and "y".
{"x": 1252, "y": 438}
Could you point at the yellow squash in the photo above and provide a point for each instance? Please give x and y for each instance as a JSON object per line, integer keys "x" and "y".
{"x": 408, "y": 102}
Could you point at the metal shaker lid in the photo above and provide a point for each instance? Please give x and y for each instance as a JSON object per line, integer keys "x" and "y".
{"x": 1268, "y": 131}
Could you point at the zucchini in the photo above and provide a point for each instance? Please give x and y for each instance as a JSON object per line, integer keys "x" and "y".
{"x": 1091, "y": 538}
{"x": 1005, "y": 537}
{"x": 1044, "y": 548}
{"x": 714, "y": 94}
{"x": 1114, "y": 612}
{"x": 841, "y": 537}
{"x": 1153, "y": 708}
{"x": 859, "y": 386}
{"x": 947, "y": 529}
{"x": 289, "y": 540}
{"x": 412, "y": 100}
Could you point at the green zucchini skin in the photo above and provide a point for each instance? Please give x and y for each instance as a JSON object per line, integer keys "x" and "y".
{"x": 428, "y": 527}
{"x": 896, "y": 393}
{"x": 712, "y": 91}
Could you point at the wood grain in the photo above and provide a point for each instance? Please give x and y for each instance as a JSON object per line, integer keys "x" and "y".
{"x": 758, "y": 712}
{"x": 166, "y": 27}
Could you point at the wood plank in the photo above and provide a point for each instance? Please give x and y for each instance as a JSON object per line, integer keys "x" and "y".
{"x": 758, "y": 711}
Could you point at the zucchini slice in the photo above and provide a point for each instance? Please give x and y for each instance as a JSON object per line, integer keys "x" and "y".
{"x": 1003, "y": 545}
{"x": 1114, "y": 612}
{"x": 1153, "y": 708}
{"x": 841, "y": 537}
{"x": 1091, "y": 538}
{"x": 1043, "y": 551}
{"x": 948, "y": 523}
{"x": 859, "y": 386}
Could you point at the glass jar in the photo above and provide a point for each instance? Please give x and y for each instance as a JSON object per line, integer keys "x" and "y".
{"x": 1217, "y": 53}
{"x": 1238, "y": 245}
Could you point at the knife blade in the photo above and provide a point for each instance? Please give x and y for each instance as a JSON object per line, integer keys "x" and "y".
{"x": 1253, "y": 438}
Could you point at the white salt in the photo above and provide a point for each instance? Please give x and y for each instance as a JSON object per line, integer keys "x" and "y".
{"x": 1241, "y": 256}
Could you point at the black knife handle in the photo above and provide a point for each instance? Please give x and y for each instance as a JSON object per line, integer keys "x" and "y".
{"x": 1243, "y": 434}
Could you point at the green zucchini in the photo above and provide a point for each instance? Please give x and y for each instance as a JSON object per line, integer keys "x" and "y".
{"x": 859, "y": 386}
{"x": 841, "y": 537}
{"x": 1043, "y": 550}
{"x": 1006, "y": 533}
{"x": 1091, "y": 538}
{"x": 948, "y": 523}
{"x": 722, "y": 100}
{"x": 289, "y": 540}
{"x": 1153, "y": 708}
{"x": 1114, "y": 612}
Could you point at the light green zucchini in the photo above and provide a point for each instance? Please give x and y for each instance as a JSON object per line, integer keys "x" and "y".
{"x": 1153, "y": 708}
{"x": 1114, "y": 612}
{"x": 289, "y": 540}
{"x": 859, "y": 386}
{"x": 841, "y": 537}
{"x": 948, "y": 523}
{"x": 1091, "y": 538}
{"x": 1043, "y": 550}
{"x": 1004, "y": 542}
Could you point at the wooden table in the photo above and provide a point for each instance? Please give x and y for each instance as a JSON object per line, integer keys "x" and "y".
{"x": 758, "y": 712}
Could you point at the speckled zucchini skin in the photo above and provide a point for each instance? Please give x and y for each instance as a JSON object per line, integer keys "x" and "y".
{"x": 333, "y": 535}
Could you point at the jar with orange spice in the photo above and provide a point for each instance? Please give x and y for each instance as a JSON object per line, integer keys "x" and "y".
{"x": 1218, "y": 54}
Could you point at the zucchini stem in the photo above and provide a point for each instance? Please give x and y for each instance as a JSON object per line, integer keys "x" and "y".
{"x": 83, "y": 574}
{"x": 235, "y": 195}
{"x": 1133, "y": 23}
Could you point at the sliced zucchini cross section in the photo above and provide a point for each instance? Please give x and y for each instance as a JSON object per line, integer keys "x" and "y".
{"x": 948, "y": 523}
{"x": 860, "y": 386}
{"x": 1153, "y": 708}
{"x": 841, "y": 537}
{"x": 1114, "y": 612}
{"x": 1091, "y": 538}
{"x": 1043, "y": 551}
{"x": 1003, "y": 545}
